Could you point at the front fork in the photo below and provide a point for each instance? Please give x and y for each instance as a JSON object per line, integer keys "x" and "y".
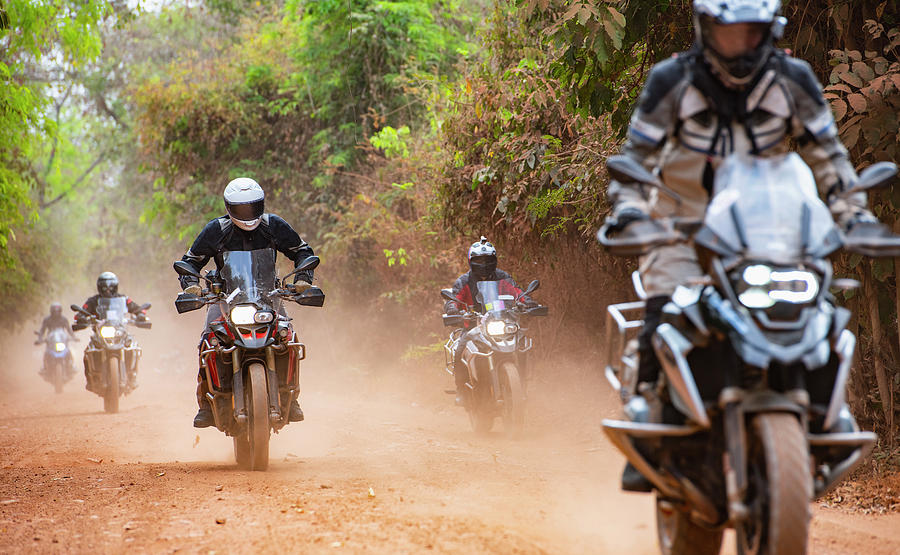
{"x": 734, "y": 459}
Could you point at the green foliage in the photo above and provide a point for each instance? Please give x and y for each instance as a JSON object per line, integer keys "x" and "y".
{"x": 391, "y": 141}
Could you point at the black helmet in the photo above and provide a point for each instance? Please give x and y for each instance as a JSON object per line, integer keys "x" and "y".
{"x": 55, "y": 309}
{"x": 108, "y": 284}
{"x": 737, "y": 36}
{"x": 482, "y": 259}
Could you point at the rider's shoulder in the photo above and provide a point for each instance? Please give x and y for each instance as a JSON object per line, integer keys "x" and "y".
{"x": 663, "y": 79}
{"x": 798, "y": 72}
{"x": 501, "y": 275}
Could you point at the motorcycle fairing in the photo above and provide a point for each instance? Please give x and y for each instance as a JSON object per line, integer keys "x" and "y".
{"x": 250, "y": 279}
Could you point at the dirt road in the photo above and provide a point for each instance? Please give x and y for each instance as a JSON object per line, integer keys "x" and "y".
{"x": 377, "y": 467}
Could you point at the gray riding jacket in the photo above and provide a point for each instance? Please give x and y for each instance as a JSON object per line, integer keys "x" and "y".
{"x": 686, "y": 122}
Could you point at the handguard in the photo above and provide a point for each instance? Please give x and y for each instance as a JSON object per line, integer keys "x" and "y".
{"x": 638, "y": 238}
{"x": 872, "y": 239}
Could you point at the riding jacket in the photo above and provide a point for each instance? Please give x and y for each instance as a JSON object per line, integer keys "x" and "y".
{"x": 221, "y": 235}
{"x": 686, "y": 122}
{"x": 465, "y": 287}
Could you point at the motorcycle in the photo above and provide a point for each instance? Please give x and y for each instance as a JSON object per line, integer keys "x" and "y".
{"x": 251, "y": 355}
{"x": 58, "y": 367}
{"x": 494, "y": 355}
{"x": 747, "y": 423}
{"x": 112, "y": 355}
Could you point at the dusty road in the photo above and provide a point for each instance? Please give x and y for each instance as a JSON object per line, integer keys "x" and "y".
{"x": 379, "y": 466}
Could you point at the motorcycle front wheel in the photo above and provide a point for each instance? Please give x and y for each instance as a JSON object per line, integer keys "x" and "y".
{"x": 111, "y": 396}
{"x": 512, "y": 395}
{"x": 678, "y": 535}
{"x": 779, "y": 488}
{"x": 251, "y": 447}
{"x": 58, "y": 378}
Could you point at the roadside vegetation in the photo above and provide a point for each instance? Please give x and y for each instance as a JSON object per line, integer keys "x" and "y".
{"x": 391, "y": 134}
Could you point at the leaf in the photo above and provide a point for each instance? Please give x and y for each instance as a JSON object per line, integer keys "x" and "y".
{"x": 839, "y": 87}
{"x": 854, "y": 55}
{"x": 895, "y": 78}
{"x": 863, "y": 71}
{"x": 857, "y": 102}
{"x": 883, "y": 268}
{"x": 839, "y": 107}
{"x": 617, "y": 16}
{"x": 613, "y": 33}
{"x": 851, "y": 78}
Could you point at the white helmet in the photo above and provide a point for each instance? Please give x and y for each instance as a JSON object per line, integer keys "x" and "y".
{"x": 737, "y": 36}
{"x": 245, "y": 202}
{"x": 482, "y": 258}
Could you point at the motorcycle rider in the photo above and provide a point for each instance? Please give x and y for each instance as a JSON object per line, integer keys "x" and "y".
{"x": 733, "y": 91}
{"x": 53, "y": 321}
{"x": 108, "y": 287}
{"x": 244, "y": 227}
{"x": 482, "y": 258}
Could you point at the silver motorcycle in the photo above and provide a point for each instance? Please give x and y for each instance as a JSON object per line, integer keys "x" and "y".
{"x": 747, "y": 423}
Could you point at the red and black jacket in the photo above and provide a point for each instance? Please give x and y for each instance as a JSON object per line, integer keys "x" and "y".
{"x": 90, "y": 305}
{"x": 464, "y": 289}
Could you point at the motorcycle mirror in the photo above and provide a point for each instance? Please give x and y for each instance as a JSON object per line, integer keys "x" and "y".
{"x": 532, "y": 287}
{"x": 311, "y": 297}
{"x": 182, "y": 268}
{"x": 80, "y": 310}
{"x": 538, "y": 311}
{"x": 625, "y": 169}
{"x": 309, "y": 263}
{"x": 145, "y": 306}
{"x": 144, "y": 325}
{"x": 875, "y": 176}
{"x": 448, "y": 294}
{"x": 186, "y": 302}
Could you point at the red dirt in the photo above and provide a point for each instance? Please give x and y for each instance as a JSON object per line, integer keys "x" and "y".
{"x": 381, "y": 465}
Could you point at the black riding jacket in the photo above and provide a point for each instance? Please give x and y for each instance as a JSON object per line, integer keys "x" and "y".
{"x": 52, "y": 322}
{"x": 221, "y": 235}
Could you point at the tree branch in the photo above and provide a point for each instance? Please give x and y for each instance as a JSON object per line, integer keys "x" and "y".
{"x": 74, "y": 185}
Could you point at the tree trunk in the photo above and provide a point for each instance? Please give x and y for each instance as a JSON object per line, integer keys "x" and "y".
{"x": 884, "y": 382}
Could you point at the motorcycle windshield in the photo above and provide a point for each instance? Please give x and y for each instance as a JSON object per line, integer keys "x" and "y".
{"x": 768, "y": 208}
{"x": 249, "y": 276}
{"x": 112, "y": 309}
{"x": 58, "y": 335}
{"x": 489, "y": 296}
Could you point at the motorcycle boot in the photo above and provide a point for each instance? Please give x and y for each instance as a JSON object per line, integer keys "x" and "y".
{"x": 204, "y": 417}
{"x": 637, "y": 409}
{"x": 296, "y": 413}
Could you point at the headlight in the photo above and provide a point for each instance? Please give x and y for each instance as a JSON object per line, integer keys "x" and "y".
{"x": 60, "y": 347}
{"x": 107, "y": 332}
{"x": 243, "y": 314}
{"x": 761, "y": 287}
{"x": 495, "y": 327}
{"x": 263, "y": 317}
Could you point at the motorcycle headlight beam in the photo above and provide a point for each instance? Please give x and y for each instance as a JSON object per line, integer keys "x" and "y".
{"x": 107, "y": 332}
{"x": 767, "y": 286}
{"x": 60, "y": 347}
{"x": 243, "y": 314}
{"x": 495, "y": 327}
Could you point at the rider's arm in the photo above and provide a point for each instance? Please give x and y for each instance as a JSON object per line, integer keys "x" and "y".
{"x": 461, "y": 291}
{"x": 135, "y": 308}
{"x": 289, "y": 243}
{"x": 201, "y": 251}
{"x": 653, "y": 122}
{"x": 820, "y": 147}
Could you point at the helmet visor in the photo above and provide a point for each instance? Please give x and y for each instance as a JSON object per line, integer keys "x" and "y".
{"x": 735, "y": 40}
{"x": 246, "y": 212}
{"x": 483, "y": 266}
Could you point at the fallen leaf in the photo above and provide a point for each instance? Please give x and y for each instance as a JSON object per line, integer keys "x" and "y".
{"x": 98, "y": 461}
{"x": 325, "y": 486}
{"x": 196, "y": 440}
{"x": 220, "y": 488}
{"x": 371, "y": 492}
{"x": 220, "y": 520}
{"x": 163, "y": 473}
